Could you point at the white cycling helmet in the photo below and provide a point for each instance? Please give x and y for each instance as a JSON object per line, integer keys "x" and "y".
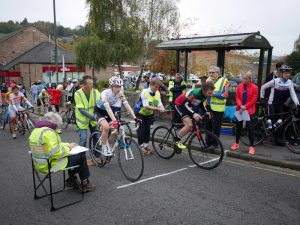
{"x": 115, "y": 81}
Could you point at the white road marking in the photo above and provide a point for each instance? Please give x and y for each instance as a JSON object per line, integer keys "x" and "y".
{"x": 151, "y": 178}
{"x": 192, "y": 166}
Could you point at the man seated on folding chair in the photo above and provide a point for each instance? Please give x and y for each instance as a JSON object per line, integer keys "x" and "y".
{"x": 45, "y": 136}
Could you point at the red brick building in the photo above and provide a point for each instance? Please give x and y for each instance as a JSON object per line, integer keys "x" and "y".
{"x": 27, "y": 55}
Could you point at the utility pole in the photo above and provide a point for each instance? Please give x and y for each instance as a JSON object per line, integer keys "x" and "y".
{"x": 55, "y": 40}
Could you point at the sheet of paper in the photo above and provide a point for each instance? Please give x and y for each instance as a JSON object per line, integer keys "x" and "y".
{"x": 242, "y": 117}
{"x": 78, "y": 149}
{"x": 245, "y": 115}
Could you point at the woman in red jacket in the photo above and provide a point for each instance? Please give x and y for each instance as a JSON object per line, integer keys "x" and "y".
{"x": 246, "y": 96}
{"x": 55, "y": 96}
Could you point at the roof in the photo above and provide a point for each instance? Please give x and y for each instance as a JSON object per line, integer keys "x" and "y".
{"x": 227, "y": 42}
{"x": 9, "y": 35}
{"x": 40, "y": 54}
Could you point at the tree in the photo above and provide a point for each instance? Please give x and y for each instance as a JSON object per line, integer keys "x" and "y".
{"x": 24, "y": 22}
{"x": 60, "y": 31}
{"x": 293, "y": 60}
{"x": 120, "y": 30}
{"x": 165, "y": 62}
{"x": 160, "y": 18}
{"x": 297, "y": 45}
{"x": 88, "y": 54}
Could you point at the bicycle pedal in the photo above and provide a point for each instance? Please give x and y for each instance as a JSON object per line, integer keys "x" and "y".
{"x": 177, "y": 150}
{"x": 108, "y": 158}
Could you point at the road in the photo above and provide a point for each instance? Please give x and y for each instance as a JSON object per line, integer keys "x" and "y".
{"x": 169, "y": 192}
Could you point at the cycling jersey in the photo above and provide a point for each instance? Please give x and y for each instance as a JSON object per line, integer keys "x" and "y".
{"x": 16, "y": 98}
{"x": 194, "y": 97}
{"x": 281, "y": 90}
{"x": 13, "y": 108}
{"x": 108, "y": 97}
{"x": 185, "y": 102}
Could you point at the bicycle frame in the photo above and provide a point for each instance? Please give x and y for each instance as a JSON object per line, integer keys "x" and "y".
{"x": 22, "y": 118}
{"x": 120, "y": 139}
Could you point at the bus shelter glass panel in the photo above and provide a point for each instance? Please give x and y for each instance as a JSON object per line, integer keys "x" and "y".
{"x": 239, "y": 62}
{"x": 199, "y": 63}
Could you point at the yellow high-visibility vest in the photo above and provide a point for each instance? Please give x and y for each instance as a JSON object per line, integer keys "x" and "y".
{"x": 152, "y": 101}
{"x": 217, "y": 104}
{"x": 46, "y": 143}
{"x": 81, "y": 102}
{"x": 171, "y": 85}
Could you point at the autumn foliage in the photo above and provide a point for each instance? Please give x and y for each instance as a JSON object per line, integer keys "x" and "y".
{"x": 164, "y": 62}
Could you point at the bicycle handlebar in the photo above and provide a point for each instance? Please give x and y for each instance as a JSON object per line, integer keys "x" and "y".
{"x": 122, "y": 123}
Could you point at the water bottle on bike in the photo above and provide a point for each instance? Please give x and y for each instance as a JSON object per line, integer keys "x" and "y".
{"x": 278, "y": 122}
{"x": 269, "y": 124}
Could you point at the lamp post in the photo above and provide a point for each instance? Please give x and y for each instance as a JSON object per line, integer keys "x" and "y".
{"x": 33, "y": 32}
{"x": 55, "y": 40}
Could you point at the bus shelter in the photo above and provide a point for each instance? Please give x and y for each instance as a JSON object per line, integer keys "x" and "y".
{"x": 222, "y": 44}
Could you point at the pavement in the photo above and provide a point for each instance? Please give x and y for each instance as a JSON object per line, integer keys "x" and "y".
{"x": 266, "y": 153}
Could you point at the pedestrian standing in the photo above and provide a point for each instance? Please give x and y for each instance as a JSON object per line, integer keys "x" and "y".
{"x": 85, "y": 101}
{"x": 246, "y": 97}
{"x": 34, "y": 92}
{"x": 69, "y": 89}
{"x": 217, "y": 103}
{"x": 22, "y": 89}
{"x": 55, "y": 96}
{"x": 148, "y": 102}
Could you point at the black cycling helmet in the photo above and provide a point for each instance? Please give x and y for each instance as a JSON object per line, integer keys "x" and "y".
{"x": 285, "y": 69}
{"x": 146, "y": 75}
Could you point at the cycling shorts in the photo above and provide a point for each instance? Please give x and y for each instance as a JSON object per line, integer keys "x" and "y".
{"x": 182, "y": 112}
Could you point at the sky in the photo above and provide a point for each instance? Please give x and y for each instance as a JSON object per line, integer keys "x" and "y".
{"x": 278, "y": 21}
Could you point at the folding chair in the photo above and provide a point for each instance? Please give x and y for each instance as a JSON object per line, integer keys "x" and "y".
{"x": 38, "y": 153}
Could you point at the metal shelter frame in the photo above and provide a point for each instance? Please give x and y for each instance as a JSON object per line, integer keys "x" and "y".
{"x": 221, "y": 44}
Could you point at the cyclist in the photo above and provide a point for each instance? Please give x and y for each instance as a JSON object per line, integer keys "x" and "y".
{"x": 15, "y": 100}
{"x": 43, "y": 100}
{"x": 282, "y": 89}
{"x": 110, "y": 102}
{"x": 184, "y": 104}
{"x": 147, "y": 79}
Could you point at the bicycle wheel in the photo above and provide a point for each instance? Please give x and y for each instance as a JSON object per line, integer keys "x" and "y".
{"x": 291, "y": 136}
{"x": 201, "y": 155}
{"x": 130, "y": 159}
{"x": 163, "y": 142}
{"x": 258, "y": 132}
{"x": 95, "y": 149}
{"x": 65, "y": 119}
{"x": 21, "y": 125}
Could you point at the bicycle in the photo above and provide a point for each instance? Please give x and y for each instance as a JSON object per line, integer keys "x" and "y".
{"x": 130, "y": 158}
{"x": 291, "y": 132}
{"x": 24, "y": 122}
{"x": 68, "y": 117}
{"x": 164, "y": 138}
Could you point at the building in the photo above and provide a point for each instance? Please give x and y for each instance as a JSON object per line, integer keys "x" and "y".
{"x": 27, "y": 55}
